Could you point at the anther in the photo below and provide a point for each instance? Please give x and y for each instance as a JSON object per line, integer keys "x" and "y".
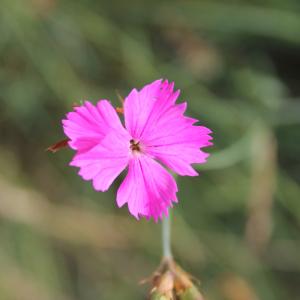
{"x": 134, "y": 146}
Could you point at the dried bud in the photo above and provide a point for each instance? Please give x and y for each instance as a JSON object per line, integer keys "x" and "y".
{"x": 170, "y": 282}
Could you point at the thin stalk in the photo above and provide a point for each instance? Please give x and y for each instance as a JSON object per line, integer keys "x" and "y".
{"x": 166, "y": 237}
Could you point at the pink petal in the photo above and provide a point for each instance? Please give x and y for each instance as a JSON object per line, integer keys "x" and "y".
{"x": 148, "y": 188}
{"x": 179, "y": 158}
{"x": 105, "y": 161}
{"x": 141, "y": 108}
{"x": 89, "y": 124}
{"x": 177, "y": 142}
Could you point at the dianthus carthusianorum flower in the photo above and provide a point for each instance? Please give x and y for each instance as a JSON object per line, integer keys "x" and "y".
{"x": 155, "y": 133}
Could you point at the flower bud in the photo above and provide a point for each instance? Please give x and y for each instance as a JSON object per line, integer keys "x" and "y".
{"x": 170, "y": 282}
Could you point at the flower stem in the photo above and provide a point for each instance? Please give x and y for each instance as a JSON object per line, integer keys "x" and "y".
{"x": 166, "y": 236}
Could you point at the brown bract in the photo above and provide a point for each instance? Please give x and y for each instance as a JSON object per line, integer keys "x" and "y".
{"x": 58, "y": 146}
{"x": 171, "y": 282}
{"x": 120, "y": 110}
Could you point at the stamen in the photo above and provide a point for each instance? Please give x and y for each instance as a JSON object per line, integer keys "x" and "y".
{"x": 134, "y": 145}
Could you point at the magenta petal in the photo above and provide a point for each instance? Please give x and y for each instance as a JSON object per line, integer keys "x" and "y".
{"x": 104, "y": 162}
{"x": 141, "y": 108}
{"x": 148, "y": 189}
{"x": 88, "y": 124}
{"x": 173, "y": 157}
{"x": 179, "y": 148}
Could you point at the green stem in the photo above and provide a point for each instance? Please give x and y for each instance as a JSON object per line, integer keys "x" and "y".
{"x": 166, "y": 236}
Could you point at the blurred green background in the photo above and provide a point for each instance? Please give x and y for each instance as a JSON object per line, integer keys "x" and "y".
{"x": 236, "y": 227}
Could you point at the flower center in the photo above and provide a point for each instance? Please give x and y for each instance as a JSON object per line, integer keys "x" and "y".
{"x": 135, "y": 145}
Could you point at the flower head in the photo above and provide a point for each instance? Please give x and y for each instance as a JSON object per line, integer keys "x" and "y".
{"x": 156, "y": 133}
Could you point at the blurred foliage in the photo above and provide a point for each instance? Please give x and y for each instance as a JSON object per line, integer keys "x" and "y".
{"x": 236, "y": 227}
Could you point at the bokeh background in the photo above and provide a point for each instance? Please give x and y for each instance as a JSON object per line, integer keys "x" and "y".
{"x": 236, "y": 227}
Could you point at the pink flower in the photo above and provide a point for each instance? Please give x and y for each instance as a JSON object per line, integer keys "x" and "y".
{"x": 156, "y": 132}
